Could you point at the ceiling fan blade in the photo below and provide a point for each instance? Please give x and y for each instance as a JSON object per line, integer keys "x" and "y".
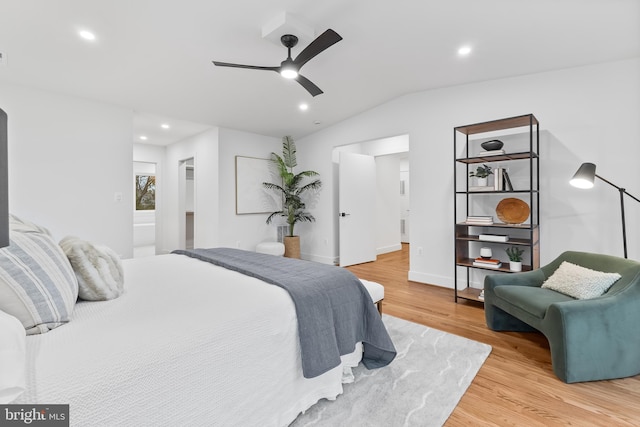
{"x": 322, "y": 42}
{"x": 310, "y": 87}
{"x": 251, "y": 67}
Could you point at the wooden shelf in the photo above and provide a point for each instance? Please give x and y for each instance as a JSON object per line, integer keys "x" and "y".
{"x": 497, "y": 158}
{"x": 500, "y": 225}
{"x": 468, "y": 262}
{"x": 511, "y": 241}
{"x": 498, "y": 192}
{"x": 471, "y": 294}
{"x": 501, "y": 124}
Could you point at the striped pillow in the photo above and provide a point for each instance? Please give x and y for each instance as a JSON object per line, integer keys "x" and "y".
{"x": 37, "y": 283}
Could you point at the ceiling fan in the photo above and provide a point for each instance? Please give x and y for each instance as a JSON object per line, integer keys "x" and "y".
{"x": 289, "y": 68}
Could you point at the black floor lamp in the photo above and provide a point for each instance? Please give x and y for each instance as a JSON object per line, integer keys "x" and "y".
{"x": 585, "y": 177}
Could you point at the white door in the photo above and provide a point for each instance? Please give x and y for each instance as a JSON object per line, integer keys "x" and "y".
{"x": 357, "y": 204}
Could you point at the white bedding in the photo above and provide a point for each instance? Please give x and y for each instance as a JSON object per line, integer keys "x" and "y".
{"x": 188, "y": 343}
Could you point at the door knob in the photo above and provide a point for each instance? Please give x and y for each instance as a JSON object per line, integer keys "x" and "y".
{"x": 344, "y": 214}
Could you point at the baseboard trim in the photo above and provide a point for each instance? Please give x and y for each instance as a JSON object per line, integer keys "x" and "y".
{"x": 320, "y": 259}
{"x": 431, "y": 279}
{"x": 387, "y": 249}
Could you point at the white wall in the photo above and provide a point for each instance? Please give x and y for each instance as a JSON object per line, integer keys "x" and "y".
{"x": 68, "y": 157}
{"x": 247, "y": 230}
{"x": 203, "y": 148}
{"x": 216, "y": 222}
{"x": 590, "y": 114}
{"x": 387, "y": 204}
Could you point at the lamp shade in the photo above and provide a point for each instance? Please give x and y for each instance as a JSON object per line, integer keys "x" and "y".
{"x": 585, "y": 176}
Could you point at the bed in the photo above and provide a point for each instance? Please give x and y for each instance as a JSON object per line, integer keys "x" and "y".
{"x": 187, "y": 343}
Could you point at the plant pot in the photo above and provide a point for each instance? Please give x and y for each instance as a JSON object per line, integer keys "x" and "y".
{"x": 292, "y": 246}
{"x": 515, "y": 266}
{"x": 482, "y": 182}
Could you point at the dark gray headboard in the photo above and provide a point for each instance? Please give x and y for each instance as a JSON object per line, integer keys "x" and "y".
{"x": 4, "y": 182}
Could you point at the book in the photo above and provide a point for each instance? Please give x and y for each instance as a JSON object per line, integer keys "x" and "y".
{"x": 494, "y": 237}
{"x": 507, "y": 181}
{"x": 486, "y": 265}
{"x": 490, "y": 153}
{"x": 480, "y": 188}
{"x": 487, "y": 260}
{"x": 479, "y": 218}
{"x": 498, "y": 184}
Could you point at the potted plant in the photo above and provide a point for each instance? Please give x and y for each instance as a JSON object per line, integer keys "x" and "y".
{"x": 292, "y": 188}
{"x": 481, "y": 173}
{"x": 515, "y": 258}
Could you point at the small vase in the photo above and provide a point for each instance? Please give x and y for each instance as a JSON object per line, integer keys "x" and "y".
{"x": 482, "y": 182}
{"x": 515, "y": 266}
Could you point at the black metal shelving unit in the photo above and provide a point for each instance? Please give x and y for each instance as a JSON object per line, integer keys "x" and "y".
{"x": 527, "y": 235}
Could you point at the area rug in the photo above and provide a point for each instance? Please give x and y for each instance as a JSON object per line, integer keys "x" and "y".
{"x": 421, "y": 387}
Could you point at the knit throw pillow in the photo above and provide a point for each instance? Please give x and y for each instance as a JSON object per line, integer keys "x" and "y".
{"x": 580, "y": 282}
{"x": 98, "y": 269}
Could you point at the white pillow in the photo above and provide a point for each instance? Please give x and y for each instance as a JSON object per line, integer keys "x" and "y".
{"x": 98, "y": 269}
{"x": 580, "y": 282}
{"x": 37, "y": 284}
{"x": 19, "y": 224}
{"x": 13, "y": 358}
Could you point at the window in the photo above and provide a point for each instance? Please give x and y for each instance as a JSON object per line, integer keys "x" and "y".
{"x": 145, "y": 192}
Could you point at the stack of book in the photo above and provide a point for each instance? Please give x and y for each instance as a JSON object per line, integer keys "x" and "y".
{"x": 490, "y": 153}
{"x": 487, "y": 263}
{"x": 481, "y": 188}
{"x": 479, "y": 220}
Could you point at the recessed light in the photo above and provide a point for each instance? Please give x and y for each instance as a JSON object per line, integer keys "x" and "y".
{"x": 303, "y": 106}
{"x": 464, "y": 50}
{"x": 165, "y": 126}
{"x": 317, "y": 122}
{"x": 143, "y": 137}
{"x": 87, "y": 35}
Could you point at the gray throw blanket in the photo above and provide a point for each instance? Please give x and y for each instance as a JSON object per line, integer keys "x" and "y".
{"x": 334, "y": 309}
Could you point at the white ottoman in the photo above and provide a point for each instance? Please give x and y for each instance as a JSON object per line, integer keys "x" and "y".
{"x": 271, "y": 248}
{"x": 376, "y": 290}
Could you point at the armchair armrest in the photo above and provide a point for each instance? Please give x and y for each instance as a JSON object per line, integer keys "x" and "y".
{"x": 533, "y": 278}
{"x": 595, "y": 338}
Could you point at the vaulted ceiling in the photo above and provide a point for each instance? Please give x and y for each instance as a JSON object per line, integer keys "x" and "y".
{"x": 154, "y": 56}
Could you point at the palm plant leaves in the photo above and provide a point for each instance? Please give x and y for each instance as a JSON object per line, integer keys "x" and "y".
{"x": 292, "y": 187}
{"x": 289, "y": 152}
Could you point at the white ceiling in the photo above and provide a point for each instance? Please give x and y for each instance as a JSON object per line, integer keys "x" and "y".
{"x": 155, "y": 56}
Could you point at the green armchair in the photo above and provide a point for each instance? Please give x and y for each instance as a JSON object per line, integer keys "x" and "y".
{"x": 593, "y": 339}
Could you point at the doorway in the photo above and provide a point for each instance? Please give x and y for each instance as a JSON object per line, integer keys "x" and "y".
{"x": 144, "y": 214}
{"x": 186, "y": 203}
{"x": 389, "y": 188}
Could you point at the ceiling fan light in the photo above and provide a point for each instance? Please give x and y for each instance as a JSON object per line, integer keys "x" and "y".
{"x": 289, "y": 72}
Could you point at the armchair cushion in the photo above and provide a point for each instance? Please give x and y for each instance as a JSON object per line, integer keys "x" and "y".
{"x": 533, "y": 300}
{"x": 580, "y": 282}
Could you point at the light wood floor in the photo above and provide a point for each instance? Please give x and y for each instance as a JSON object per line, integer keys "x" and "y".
{"x": 515, "y": 386}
